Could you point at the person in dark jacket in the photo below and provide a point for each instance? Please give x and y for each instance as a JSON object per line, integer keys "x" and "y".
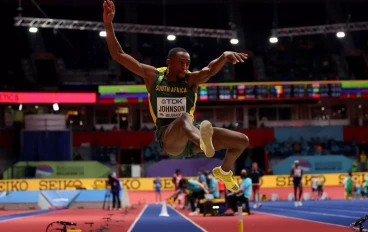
{"x": 115, "y": 188}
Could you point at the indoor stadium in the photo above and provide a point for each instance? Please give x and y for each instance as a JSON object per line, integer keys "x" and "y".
{"x": 187, "y": 116}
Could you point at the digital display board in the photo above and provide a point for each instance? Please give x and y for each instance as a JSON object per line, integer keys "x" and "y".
{"x": 47, "y": 98}
{"x": 256, "y": 91}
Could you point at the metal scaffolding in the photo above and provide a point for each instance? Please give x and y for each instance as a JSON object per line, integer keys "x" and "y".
{"x": 123, "y": 27}
{"x": 322, "y": 29}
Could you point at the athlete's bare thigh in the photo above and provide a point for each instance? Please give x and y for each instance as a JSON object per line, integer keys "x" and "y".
{"x": 226, "y": 139}
{"x": 174, "y": 139}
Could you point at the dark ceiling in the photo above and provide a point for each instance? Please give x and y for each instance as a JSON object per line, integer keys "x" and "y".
{"x": 121, "y": 2}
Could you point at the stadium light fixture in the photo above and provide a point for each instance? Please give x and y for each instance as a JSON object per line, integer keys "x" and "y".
{"x": 33, "y": 29}
{"x": 234, "y": 41}
{"x": 81, "y": 25}
{"x": 55, "y": 106}
{"x": 103, "y": 33}
{"x": 171, "y": 37}
{"x": 274, "y": 40}
{"x": 321, "y": 29}
{"x": 340, "y": 34}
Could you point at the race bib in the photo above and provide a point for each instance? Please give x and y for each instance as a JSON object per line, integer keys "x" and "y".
{"x": 168, "y": 107}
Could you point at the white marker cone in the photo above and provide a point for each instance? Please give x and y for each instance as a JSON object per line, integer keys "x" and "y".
{"x": 164, "y": 210}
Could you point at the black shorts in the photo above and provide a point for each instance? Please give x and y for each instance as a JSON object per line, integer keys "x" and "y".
{"x": 319, "y": 188}
{"x": 297, "y": 184}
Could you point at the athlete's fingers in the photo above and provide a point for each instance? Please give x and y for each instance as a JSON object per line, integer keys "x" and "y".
{"x": 113, "y": 6}
{"x": 235, "y": 58}
{"x": 243, "y": 55}
{"x": 239, "y": 58}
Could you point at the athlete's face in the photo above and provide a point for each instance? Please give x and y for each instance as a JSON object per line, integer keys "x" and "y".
{"x": 179, "y": 64}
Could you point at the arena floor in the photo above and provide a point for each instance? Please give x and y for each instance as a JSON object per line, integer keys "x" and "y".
{"x": 316, "y": 216}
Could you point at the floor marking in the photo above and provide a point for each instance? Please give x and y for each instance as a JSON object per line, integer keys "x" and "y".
{"x": 188, "y": 219}
{"x": 301, "y": 219}
{"x": 31, "y": 214}
{"x": 136, "y": 220}
{"x": 313, "y": 213}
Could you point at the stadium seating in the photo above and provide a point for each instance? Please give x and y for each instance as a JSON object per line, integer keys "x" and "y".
{"x": 314, "y": 146}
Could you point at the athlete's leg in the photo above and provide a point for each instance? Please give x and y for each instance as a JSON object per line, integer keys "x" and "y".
{"x": 300, "y": 191}
{"x": 235, "y": 143}
{"x": 177, "y": 134}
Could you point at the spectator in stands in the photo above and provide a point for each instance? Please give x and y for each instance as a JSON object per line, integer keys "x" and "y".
{"x": 363, "y": 161}
{"x": 241, "y": 196}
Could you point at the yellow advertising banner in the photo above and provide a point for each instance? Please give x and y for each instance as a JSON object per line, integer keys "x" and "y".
{"x": 142, "y": 184}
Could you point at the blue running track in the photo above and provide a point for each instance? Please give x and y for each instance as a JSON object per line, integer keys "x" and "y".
{"x": 9, "y": 217}
{"x": 335, "y": 212}
{"x": 149, "y": 220}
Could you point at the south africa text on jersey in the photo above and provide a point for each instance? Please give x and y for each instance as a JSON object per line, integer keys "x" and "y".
{"x": 171, "y": 89}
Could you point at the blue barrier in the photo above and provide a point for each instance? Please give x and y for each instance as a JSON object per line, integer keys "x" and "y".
{"x": 20, "y": 197}
{"x": 60, "y": 198}
{"x": 315, "y": 164}
{"x": 93, "y": 196}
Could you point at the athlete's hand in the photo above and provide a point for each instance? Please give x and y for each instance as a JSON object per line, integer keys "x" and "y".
{"x": 109, "y": 11}
{"x": 235, "y": 57}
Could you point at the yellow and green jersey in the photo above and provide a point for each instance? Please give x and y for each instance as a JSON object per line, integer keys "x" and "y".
{"x": 169, "y": 100}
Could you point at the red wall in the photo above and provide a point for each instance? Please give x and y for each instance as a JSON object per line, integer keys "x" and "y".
{"x": 136, "y": 140}
{"x": 356, "y": 134}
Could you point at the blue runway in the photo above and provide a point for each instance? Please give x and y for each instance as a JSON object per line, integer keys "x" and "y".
{"x": 336, "y": 212}
{"x": 149, "y": 220}
{"x": 8, "y": 217}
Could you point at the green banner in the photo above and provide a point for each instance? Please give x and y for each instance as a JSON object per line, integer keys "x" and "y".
{"x": 61, "y": 169}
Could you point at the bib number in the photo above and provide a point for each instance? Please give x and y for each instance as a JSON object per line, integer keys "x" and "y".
{"x": 171, "y": 107}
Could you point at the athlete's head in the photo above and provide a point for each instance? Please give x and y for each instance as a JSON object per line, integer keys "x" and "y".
{"x": 243, "y": 174}
{"x": 296, "y": 163}
{"x": 177, "y": 171}
{"x": 183, "y": 183}
{"x": 113, "y": 174}
{"x": 178, "y": 61}
{"x": 254, "y": 166}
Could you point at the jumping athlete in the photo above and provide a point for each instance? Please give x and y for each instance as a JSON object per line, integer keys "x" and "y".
{"x": 172, "y": 93}
{"x": 297, "y": 174}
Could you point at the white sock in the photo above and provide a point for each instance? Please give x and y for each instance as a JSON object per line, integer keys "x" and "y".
{"x": 223, "y": 172}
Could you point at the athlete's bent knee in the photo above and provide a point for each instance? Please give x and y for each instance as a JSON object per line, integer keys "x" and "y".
{"x": 244, "y": 141}
{"x": 184, "y": 119}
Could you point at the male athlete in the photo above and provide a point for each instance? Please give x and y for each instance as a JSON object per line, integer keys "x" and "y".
{"x": 172, "y": 94}
{"x": 297, "y": 175}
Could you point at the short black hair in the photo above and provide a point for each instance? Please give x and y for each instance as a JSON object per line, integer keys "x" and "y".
{"x": 173, "y": 52}
{"x": 182, "y": 182}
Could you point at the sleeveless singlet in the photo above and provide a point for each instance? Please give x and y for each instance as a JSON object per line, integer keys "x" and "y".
{"x": 169, "y": 100}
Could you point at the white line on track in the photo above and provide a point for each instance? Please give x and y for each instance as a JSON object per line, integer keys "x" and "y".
{"x": 188, "y": 219}
{"x": 136, "y": 220}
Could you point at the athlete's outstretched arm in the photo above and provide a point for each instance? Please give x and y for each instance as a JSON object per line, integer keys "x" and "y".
{"x": 216, "y": 65}
{"x": 116, "y": 52}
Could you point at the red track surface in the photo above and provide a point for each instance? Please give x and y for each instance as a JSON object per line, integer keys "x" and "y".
{"x": 149, "y": 196}
{"x": 254, "y": 223}
{"x": 80, "y": 216}
{"x": 263, "y": 223}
